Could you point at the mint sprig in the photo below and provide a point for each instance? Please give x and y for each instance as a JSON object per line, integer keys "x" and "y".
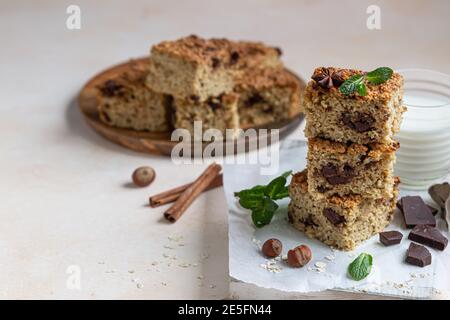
{"x": 261, "y": 199}
{"x": 360, "y": 267}
{"x": 356, "y": 83}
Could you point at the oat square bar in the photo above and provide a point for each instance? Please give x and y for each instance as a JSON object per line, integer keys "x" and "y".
{"x": 375, "y": 117}
{"x": 267, "y": 95}
{"x": 201, "y": 68}
{"x": 124, "y": 101}
{"x": 342, "y": 169}
{"x": 342, "y": 222}
{"x": 215, "y": 113}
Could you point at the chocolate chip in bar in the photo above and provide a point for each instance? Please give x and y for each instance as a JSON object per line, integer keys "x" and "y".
{"x": 416, "y": 212}
{"x": 440, "y": 193}
{"x": 389, "y": 238}
{"x": 429, "y": 236}
{"x": 418, "y": 255}
{"x": 333, "y": 217}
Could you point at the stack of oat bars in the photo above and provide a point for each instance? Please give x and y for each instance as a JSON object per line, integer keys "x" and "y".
{"x": 348, "y": 191}
{"x": 222, "y": 83}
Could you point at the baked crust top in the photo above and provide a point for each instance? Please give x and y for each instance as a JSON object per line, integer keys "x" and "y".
{"x": 380, "y": 92}
{"x": 263, "y": 78}
{"x": 199, "y": 50}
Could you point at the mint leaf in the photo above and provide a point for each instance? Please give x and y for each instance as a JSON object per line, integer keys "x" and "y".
{"x": 351, "y": 84}
{"x": 379, "y": 75}
{"x": 360, "y": 267}
{"x": 287, "y": 174}
{"x": 260, "y": 199}
{"x": 263, "y": 214}
{"x": 258, "y": 189}
{"x": 277, "y": 189}
{"x": 362, "y": 90}
{"x": 251, "y": 198}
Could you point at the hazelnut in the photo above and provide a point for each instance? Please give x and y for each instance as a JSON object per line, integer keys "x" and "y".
{"x": 272, "y": 248}
{"x": 143, "y": 176}
{"x": 299, "y": 256}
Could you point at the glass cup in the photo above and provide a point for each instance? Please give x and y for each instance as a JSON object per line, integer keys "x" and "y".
{"x": 424, "y": 154}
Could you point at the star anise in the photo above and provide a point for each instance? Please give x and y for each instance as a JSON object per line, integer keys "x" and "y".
{"x": 328, "y": 78}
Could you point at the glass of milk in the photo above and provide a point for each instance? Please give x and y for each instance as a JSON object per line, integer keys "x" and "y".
{"x": 424, "y": 154}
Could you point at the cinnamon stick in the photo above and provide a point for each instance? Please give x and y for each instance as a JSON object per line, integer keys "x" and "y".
{"x": 173, "y": 194}
{"x": 192, "y": 192}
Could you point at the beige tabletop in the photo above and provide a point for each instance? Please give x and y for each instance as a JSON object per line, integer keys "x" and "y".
{"x": 71, "y": 225}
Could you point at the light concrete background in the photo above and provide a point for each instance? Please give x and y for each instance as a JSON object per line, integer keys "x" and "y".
{"x": 64, "y": 193}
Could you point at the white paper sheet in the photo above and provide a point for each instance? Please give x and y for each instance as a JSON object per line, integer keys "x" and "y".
{"x": 390, "y": 274}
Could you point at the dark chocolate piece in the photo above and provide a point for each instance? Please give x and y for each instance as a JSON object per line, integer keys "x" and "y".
{"x": 389, "y": 238}
{"x": 416, "y": 212}
{"x": 333, "y": 217}
{"x": 433, "y": 210}
{"x": 429, "y": 236}
{"x": 418, "y": 255}
{"x": 440, "y": 193}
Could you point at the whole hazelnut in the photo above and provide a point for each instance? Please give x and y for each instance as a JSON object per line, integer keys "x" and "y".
{"x": 272, "y": 248}
{"x": 299, "y": 256}
{"x": 143, "y": 176}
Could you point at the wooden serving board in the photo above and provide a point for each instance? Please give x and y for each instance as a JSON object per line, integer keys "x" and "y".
{"x": 144, "y": 141}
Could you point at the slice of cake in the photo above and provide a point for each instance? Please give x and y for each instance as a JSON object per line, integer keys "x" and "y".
{"x": 336, "y": 168}
{"x": 124, "y": 101}
{"x": 341, "y": 222}
{"x": 375, "y": 117}
{"x": 200, "y": 68}
{"x": 266, "y": 96}
{"x": 215, "y": 113}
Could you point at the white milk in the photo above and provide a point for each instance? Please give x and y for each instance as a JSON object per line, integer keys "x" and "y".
{"x": 424, "y": 154}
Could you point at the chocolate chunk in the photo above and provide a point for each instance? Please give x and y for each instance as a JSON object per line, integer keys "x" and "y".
{"x": 335, "y": 176}
{"x": 333, "y": 217}
{"x": 110, "y": 88}
{"x": 433, "y": 210}
{"x": 440, "y": 193}
{"x": 329, "y": 170}
{"x": 361, "y": 123}
{"x": 215, "y": 62}
{"x": 416, "y": 212}
{"x": 234, "y": 57}
{"x": 254, "y": 99}
{"x": 195, "y": 98}
{"x": 429, "y": 236}
{"x": 338, "y": 180}
{"x": 389, "y": 238}
{"x": 322, "y": 189}
{"x": 214, "y": 105}
{"x": 418, "y": 255}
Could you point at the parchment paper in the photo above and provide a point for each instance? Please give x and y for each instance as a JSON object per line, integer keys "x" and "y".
{"x": 390, "y": 274}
